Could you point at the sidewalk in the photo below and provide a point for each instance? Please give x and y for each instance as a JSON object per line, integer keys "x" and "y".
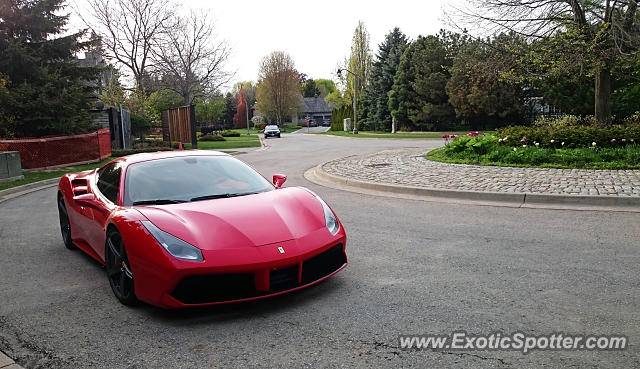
{"x": 407, "y": 171}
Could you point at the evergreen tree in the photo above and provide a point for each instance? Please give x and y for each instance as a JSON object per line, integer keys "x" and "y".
{"x": 231, "y": 105}
{"x": 47, "y": 88}
{"x": 418, "y": 98}
{"x": 376, "y": 95}
{"x": 309, "y": 89}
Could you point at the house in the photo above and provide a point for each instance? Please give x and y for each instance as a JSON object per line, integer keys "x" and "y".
{"x": 317, "y": 109}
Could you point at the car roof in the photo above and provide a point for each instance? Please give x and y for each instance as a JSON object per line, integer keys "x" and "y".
{"x": 146, "y": 156}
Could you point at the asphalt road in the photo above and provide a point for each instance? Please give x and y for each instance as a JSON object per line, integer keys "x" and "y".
{"x": 415, "y": 267}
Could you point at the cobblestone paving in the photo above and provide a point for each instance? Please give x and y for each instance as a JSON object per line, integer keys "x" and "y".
{"x": 409, "y": 167}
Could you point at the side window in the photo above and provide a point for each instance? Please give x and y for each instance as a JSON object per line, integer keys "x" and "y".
{"x": 109, "y": 181}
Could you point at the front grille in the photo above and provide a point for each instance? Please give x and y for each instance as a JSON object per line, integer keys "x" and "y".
{"x": 199, "y": 289}
{"x": 283, "y": 279}
{"x": 323, "y": 264}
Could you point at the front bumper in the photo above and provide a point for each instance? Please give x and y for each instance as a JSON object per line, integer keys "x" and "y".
{"x": 271, "y": 134}
{"x": 234, "y": 275}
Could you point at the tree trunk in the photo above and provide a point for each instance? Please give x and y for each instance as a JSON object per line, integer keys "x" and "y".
{"x": 603, "y": 95}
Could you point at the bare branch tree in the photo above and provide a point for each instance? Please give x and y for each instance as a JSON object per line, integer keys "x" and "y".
{"x": 190, "y": 58}
{"x": 128, "y": 30}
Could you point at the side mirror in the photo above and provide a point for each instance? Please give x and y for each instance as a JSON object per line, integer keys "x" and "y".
{"x": 278, "y": 180}
{"x": 87, "y": 199}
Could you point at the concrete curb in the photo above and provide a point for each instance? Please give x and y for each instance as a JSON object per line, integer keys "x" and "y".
{"x": 14, "y": 192}
{"x": 520, "y": 200}
{"x": 7, "y": 363}
{"x": 263, "y": 145}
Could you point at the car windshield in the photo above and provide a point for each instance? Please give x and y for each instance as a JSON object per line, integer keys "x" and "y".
{"x": 190, "y": 178}
{"x": 271, "y": 127}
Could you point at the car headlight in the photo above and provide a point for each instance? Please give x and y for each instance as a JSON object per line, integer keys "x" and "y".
{"x": 330, "y": 219}
{"x": 174, "y": 246}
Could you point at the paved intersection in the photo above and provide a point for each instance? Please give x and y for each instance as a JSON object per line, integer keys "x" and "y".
{"x": 415, "y": 267}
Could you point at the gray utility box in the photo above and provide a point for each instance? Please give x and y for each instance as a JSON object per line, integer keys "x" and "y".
{"x": 10, "y": 168}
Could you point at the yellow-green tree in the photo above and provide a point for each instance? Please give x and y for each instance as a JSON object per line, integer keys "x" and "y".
{"x": 278, "y": 90}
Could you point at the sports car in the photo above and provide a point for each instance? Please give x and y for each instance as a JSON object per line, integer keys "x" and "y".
{"x": 190, "y": 228}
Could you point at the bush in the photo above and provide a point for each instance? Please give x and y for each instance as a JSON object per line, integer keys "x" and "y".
{"x": 229, "y": 134}
{"x": 338, "y": 115}
{"x": 139, "y": 125}
{"x": 149, "y": 143}
{"x": 206, "y": 138}
{"x": 119, "y": 153}
{"x": 565, "y": 121}
{"x": 478, "y": 145}
{"x": 572, "y": 136}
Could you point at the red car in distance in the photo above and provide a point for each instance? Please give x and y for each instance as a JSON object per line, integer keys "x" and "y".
{"x": 192, "y": 228}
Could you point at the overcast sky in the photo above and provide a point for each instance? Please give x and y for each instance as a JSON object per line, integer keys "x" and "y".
{"x": 317, "y": 34}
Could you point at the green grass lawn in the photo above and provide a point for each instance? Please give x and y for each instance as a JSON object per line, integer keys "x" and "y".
{"x": 376, "y": 134}
{"x": 35, "y": 176}
{"x": 230, "y": 143}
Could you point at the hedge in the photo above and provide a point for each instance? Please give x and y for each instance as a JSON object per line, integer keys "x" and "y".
{"x": 572, "y": 136}
{"x": 212, "y": 138}
{"x": 119, "y": 153}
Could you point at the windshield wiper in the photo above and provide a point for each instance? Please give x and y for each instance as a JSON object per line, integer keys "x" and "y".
{"x": 157, "y": 202}
{"x": 221, "y": 195}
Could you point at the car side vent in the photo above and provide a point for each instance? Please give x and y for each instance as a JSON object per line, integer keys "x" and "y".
{"x": 79, "y": 187}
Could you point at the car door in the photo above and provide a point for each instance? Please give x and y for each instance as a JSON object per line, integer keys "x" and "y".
{"x": 106, "y": 187}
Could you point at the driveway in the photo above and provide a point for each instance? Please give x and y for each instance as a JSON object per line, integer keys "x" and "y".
{"x": 312, "y": 130}
{"x": 415, "y": 268}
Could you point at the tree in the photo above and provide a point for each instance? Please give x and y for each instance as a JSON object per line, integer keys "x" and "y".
{"x": 112, "y": 92}
{"x": 376, "y": 93}
{"x": 162, "y": 100}
{"x": 278, "y": 87}
{"x": 190, "y": 58}
{"x": 44, "y": 87}
{"x": 129, "y": 30}
{"x": 230, "y": 103}
{"x": 240, "y": 118}
{"x": 476, "y": 88}
{"x": 597, "y": 35}
{"x": 309, "y": 89}
{"x": 325, "y": 86}
{"x": 570, "y": 93}
{"x": 418, "y": 98}
{"x": 359, "y": 63}
{"x": 210, "y": 110}
{"x": 249, "y": 91}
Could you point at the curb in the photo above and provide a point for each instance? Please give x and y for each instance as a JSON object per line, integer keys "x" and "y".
{"x": 17, "y": 191}
{"x": 263, "y": 145}
{"x": 518, "y": 200}
{"x": 7, "y": 363}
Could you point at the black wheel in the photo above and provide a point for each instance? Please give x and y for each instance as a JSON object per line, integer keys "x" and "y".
{"x": 278, "y": 135}
{"x": 118, "y": 268}
{"x": 65, "y": 225}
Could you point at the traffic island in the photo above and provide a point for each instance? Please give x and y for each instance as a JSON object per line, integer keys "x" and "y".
{"x": 406, "y": 173}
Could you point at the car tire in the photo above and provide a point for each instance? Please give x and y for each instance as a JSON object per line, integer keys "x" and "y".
{"x": 65, "y": 224}
{"x": 278, "y": 135}
{"x": 118, "y": 268}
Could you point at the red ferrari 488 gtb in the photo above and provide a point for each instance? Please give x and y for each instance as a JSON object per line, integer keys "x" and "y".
{"x": 190, "y": 228}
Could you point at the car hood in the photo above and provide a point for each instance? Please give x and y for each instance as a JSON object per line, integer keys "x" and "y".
{"x": 245, "y": 221}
